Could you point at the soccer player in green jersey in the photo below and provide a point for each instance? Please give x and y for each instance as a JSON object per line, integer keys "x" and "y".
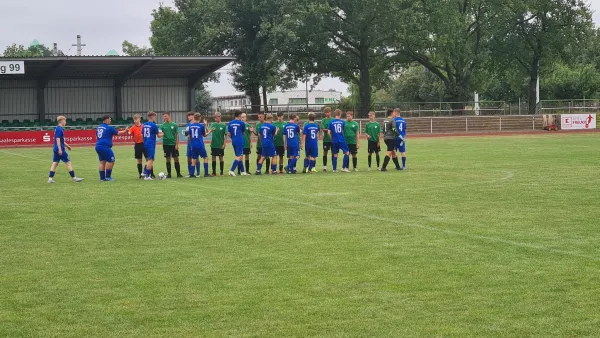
{"x": 326, "y": 137}
{"x": 373, "y": 131}
{"x": 352, "y": 135}
{"x": 279, "y": 145}
{"x": 171, "y": 144}
{"x": 247, "y": 147}
{"x": 217, "y": 143}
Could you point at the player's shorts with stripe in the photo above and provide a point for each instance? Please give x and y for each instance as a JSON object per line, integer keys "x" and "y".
{"x": 198, "y": 152}
{"x": 238, "y": 150}
{"x": 139, "y": 151}
{"x": 258, "y": 150}
{"x": 64, "y": 157}
{"x": 400, "y": 146}
{"x": 170, "y": 151}
{"x": 217, "y": 151}
{"x": 280, "y": 150}
{"x": 373, "y": 147}
{"x": 247, "y": 151}
{"x": 105, "y": 154}
{"x": 312, "y": 150}
{"x": 268, "y": 151}
{"x": 352, "y": 149}
{"x": 150, "y": 153}
{"x": 336, "y": 147}
{"x": 293, "y": 151}
{"x": 327, "y": 146}
{"x": 390, "y": 144}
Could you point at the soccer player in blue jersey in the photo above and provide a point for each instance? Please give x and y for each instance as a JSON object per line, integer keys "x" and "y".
{"x": 291, "y": 138}
{"x": 310, "y": 138}
{"x": 338, "y": 142}
{"x": 267, "y": 134}
{"x": 60, "y": 153}
{"x": 400, "y": 145}
{"x": 235, "y": 130}
{"x": 188, "y": 152}
{"x": 150, "y": 131}
{"x": 104, "y": 143}
{"x": 197, "y": 132}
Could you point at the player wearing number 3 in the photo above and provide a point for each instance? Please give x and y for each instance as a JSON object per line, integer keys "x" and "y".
{"x": 104, "y": 143}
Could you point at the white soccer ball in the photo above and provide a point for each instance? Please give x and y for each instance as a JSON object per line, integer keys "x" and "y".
{"x": 161, "y": 176}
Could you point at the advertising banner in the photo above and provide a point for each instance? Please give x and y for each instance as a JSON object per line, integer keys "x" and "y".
{"x": 578, "y": 121}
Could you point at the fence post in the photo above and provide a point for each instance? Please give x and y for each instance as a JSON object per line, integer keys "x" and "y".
{"x": 431, "y": 124}
{"x": 500, "y": 123}
{"x": 466, "y": 124}
{"x": 533, "y": 119}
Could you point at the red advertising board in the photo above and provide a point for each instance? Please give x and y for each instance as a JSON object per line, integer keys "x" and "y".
{"x": 41, "y": 138}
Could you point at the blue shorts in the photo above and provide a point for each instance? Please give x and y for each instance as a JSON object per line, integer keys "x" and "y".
{"x": 188, "y": 152}
{"x": 150, "y": 152}
{"x": 65, "y": 157}
{"x": 336, "y": 147}
{"x": 400, "y": 146}
{"x": 268, "y": 151}
{"x": 198, "y": 152}
{"x": 238, "y": 150}
{"x": 312, "y": 150}
{"x": 293, "y": 151}
{"x": 105, "y": 154}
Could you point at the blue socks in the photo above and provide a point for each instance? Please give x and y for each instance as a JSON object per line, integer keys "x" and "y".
{"x": 72, "y": 173}
{"x": 404, "y": 162}
{"x": 273, "y": 167}
{"x": 235, "y": 165}
{"x": 241, "y": 166}
{"x": 346, "y": 163}
{"x": 108, "y": 173}
{"x": 205, "y": 169}
{"x": 190, "y": 169}
{"x": 258, "y": 167}
{"x": 198, "y": 168}
{"x": 102, "y": 175}
{"x": 334, "y": 163}
{"x": 51, "y": 174}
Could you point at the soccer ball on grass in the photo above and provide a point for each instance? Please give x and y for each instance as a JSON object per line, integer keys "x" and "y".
{"x": 161, "y": 176}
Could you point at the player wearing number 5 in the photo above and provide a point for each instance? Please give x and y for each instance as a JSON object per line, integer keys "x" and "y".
{"x": 104, "y": 143}
{"x": 336, "y": 130}
{"x": 291, "y": 136}
{"x": 400, "y": 145}
{"x": 59, "y": 151}
{"x": 235, "y": 130}
{"x": 310, "y": 138}
{"x": 150, "y": 131}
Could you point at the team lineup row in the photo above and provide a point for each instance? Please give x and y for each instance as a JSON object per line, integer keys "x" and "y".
{"x": 273, "y": 139}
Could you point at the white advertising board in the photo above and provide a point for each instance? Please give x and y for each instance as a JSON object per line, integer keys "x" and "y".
{"x": 578, "y": 121}
{"x": 12, "y": 67}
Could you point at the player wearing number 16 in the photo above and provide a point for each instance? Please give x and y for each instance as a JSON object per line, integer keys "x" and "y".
{"x": 104, "y": 143}
{"x": 338, "y": 142}
{"x": 197, "y": 132}
{"x": 150, "y": 131}
{"x": 236, "y": 129}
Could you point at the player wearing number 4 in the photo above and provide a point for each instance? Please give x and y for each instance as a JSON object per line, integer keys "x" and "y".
{"x": 291, "y": 135}
{"x": 310, "y": 138}
{"x": 59, "y": 151}
{"x": 104, "y": 143}
{"x": 197, "y": 133}
{"x": 336, "y": 130}
{"x": 400, "y": 145}
{"x": 236, "y": 129}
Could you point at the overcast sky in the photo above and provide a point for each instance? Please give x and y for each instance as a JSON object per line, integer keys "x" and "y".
{"x": 103, "y": 26}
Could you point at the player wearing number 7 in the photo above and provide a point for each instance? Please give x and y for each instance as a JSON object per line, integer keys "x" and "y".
{"x": 310, "y": 138}
{"x": 104, "y": 143}
{"x": 59, "y": 151}
{"x": 236, "y": 129}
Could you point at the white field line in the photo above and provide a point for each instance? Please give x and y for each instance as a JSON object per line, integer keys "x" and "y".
{"x": 15, "y": 154}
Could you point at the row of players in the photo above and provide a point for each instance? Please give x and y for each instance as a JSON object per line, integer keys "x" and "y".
{"x": 272, "y": 139}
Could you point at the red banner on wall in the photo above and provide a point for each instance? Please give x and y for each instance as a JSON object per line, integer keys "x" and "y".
{"x": 41, "y": 138}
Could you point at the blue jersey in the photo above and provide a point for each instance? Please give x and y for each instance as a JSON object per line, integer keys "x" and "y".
{"x": 311, "y": 130}
{"x": 196, "y": 135}
{"x": 59, "y": 134}
{"x": 291, "y": 131}
{"x": 149, "y": 132}
{"x": 336, "y": 126}
{"x": 400, "y": 127}
{"x": 187, "y": 130}
{"x": 267, "y": 134}
{"x": 236, "y": 129}
{"x": 104, "y": 135}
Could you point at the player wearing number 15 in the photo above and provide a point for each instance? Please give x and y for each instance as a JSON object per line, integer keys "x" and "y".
{"x": 336, "y": 130}
{"x": 310, "y": 138}
{"x": 104, "y": 143}
{"x": 291, "y": 138}
{"x": 236, "y": 129}
{"x": 150, "y": 131}
{"x": 197, "y": 132}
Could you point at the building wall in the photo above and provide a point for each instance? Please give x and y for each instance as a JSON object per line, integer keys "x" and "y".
{"x": 79, "y": 98}
{"x": 316, "y": 99}
{"x": 159, "y": 95}
{"x": 18, "y": 100}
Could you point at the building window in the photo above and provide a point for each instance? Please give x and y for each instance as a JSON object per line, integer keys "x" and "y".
{"x": 319, "y": 100}
{"x": 231, "y": 103}
{"x": 273, "y": 101}
{"x": 244, "y": 102}
{"x": 298, "y": 101}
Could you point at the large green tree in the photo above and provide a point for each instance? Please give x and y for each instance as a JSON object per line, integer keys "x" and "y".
{"x": 17, "y": 51}
{"x": 130, "y": 49}
{"x": 348, "y": 39}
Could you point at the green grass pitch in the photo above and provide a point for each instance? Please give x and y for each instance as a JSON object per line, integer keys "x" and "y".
{"x": 481, "y": 237}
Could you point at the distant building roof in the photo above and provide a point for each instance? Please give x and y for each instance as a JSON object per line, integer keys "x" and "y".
{"x": 34, "y": 43}
{"x": 112, "y": 52}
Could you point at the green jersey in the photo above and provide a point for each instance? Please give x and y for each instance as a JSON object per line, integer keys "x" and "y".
{"x": 324, "y": 127}
{"x": 247, "y": 135}
{"x": 350, "y": 130}
{"x": 257, "y": 131}
{"x": 170, "y": 130}
{"x": 218, "y": 135}
{"x": 279, "y": 137}
{"x": 373, "y": 129}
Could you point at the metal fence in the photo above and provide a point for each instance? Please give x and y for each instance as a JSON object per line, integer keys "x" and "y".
{"x": 557, "y": 107}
